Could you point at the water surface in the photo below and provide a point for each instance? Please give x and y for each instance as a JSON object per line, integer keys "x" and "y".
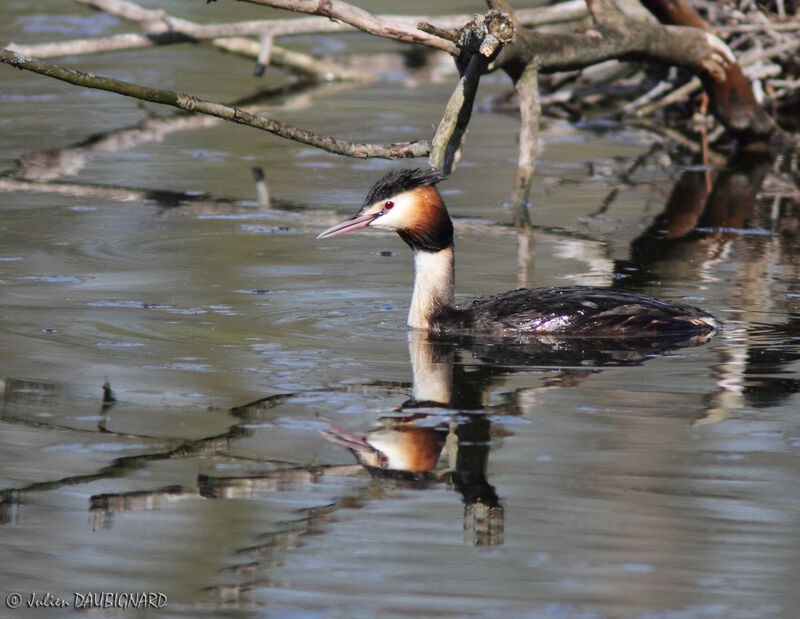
{"x": 612, "y": 482}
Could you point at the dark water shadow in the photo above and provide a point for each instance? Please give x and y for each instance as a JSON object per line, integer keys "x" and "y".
{"x": 48, "y": 170}
{"x": 704, "y": 212}
{"x": 769, "y": 378}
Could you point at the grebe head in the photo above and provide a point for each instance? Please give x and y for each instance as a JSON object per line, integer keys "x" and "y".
{"x": 395, "y": 445}
{"x": 406, "y": 202}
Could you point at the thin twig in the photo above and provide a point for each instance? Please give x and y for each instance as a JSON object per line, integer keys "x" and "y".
{"x": 787, "y": 27}
{"x": 303, "y": 63}
{"x": 654, "y": 92}
{"x": 676, "y": 95}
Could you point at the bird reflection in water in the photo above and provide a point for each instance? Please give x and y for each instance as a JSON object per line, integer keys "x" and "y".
{"x": 430, "y": 441}
{"x": 441, "y": 434}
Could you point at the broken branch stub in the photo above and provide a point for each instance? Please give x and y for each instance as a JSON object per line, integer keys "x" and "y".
{"x": 484, "y": 36}
{"x": 479, "y": 42}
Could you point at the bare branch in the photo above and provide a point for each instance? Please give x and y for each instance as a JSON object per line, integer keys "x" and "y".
{"x": 785, "y": 27}
{"x": 437, "y": 31}
{"x": 226, "y": 112}
{"x": 160, "y": 21}
{"x": 678, "y": 94}
{"x": 293, "y": 60}
{"x": 77, "y": 47}
{"x": 450, "y": 132}
{"x": 163, "y": 29}
{"x": 361, "y": 19}
{"x": 530, "y": 109}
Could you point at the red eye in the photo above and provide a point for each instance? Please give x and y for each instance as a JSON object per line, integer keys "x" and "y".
{"x": 388, "y": 205}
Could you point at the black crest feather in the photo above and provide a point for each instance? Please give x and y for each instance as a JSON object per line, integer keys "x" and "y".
{"x": 398, "y": 181}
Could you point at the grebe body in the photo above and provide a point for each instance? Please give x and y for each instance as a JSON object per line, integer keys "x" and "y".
{"x": 572, "y": 310}
{"x": 408, "y": 202}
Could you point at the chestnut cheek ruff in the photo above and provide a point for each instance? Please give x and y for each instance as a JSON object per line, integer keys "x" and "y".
{"x": 431, "y": 229}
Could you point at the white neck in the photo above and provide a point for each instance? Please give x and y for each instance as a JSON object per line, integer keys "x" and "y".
{"x": 434, "y": 284}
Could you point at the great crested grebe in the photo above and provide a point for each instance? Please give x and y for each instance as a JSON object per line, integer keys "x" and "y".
{"x": 407, "y": 202}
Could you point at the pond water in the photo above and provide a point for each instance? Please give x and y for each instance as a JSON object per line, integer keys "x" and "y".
{"x": 252, "y": 366}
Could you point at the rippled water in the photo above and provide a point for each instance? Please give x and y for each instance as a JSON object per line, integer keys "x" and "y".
{"x": 244, "y": 356}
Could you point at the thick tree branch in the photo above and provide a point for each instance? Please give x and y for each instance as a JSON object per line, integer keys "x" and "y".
{"x": 730, "y": 94}
{"x": 616, "y": 36}
{"x": 671, "y": 45}
{"x": 193, "y": 104}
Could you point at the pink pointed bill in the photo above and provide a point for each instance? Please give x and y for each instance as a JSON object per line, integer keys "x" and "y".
{"x": 350, "y": 441}
{"x": 348, "y": 225}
